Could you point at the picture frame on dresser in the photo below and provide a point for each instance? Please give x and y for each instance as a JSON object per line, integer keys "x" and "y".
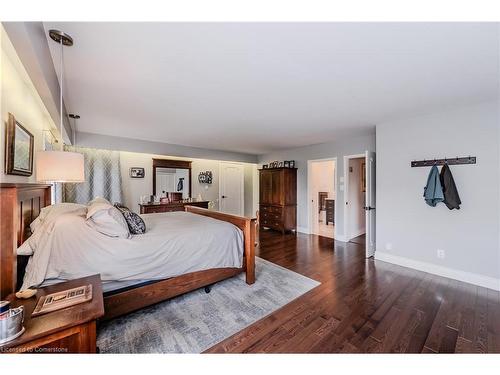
{"x": 19, "y": 144}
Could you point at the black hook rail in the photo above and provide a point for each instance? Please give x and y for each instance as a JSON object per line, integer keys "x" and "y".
{"x": 449, "y": 161}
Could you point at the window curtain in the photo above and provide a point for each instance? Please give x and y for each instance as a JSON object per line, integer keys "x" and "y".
{"x": 102, "y": 177}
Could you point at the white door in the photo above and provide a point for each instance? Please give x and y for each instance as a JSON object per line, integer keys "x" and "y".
{"x": 231, "y": 188}
{"x": 165, "y": 182}
{"x": 370, "y": 203}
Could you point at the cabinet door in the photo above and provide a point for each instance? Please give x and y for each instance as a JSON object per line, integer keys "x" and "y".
{"x": 265, "y": 194}
{"x": 277, "y": 187}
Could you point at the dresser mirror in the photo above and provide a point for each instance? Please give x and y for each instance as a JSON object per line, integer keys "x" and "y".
{"x": 172, "y": 179}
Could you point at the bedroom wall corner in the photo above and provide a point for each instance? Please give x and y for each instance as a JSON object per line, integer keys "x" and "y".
{"x": 411, "y": 233}
{"x": 20, "y": 97}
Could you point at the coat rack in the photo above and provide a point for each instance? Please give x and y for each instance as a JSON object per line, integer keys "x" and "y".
{"x": 450, "y": 161}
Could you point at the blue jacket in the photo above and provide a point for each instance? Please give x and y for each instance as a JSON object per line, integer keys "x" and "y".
{"x": 433, "y": 191}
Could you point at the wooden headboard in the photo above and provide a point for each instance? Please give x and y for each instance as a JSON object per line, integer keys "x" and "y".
{"x": 20, "y": 204}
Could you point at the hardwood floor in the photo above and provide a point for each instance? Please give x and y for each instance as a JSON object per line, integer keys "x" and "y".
{"x": 367, "y": 306}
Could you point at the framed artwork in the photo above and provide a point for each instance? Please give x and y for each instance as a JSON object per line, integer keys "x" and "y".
{"x": 292, "y": 163}
{"x": 363, "y": 177}
{"x": 286, "y": 163}
{"x": 19, "y": 144}
{"x": 265, "y": 166}
{"x": 137, "y": 172}
{"x": 205, "y": 177}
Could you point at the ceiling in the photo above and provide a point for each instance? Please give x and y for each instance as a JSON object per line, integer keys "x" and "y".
{"x": 258, "y": 87}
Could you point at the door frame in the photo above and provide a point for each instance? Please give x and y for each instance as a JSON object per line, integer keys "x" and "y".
{"x": 347, "y": 232}
{"x": 309, "y": 228}
{"x": 242, "y": 190}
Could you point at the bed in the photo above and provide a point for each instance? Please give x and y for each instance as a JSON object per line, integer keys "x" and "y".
{"x": 181, "y": 252}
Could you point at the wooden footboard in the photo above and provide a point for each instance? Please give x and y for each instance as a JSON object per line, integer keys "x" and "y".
{"x": 248, "y": 228}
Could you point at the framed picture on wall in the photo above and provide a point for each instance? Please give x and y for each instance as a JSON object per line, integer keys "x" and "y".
{"x": 137, "y": 172}
{"x": 19, "y": 144}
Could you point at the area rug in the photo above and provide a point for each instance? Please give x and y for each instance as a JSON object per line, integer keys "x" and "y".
{"x": 194, "y": 322}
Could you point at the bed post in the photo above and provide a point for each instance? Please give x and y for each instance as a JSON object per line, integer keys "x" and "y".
{"x": 20, "y": 204}
{"x": 9, "y": 225}
{"x": 250, "y": 252}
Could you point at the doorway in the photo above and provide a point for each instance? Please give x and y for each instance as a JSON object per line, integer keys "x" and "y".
{"x": 359, "y": 214}
{"x": 322, "y": 196}
{"x": 231, "y": 188}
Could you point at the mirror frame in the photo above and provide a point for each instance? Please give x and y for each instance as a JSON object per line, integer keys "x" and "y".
{"x": 177, "y": 164}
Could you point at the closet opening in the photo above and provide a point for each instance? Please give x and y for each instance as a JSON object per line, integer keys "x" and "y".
{"x": 322, "y": 196}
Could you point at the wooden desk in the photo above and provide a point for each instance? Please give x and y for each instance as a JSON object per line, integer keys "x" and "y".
{"x": 70, "y": 330}
{"x": 151, "y": 208}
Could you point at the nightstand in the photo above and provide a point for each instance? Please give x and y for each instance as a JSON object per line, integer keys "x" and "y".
{"x": 69, "y": 330}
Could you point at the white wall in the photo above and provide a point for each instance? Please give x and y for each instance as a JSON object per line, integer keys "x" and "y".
{"x": 409, "y": 231}
{"x": 340, "y": 148}
{"x": 106, "y": 142}
{"x": 20, "y": 98}
{"x": 134, "y": 188}
{"x": 356, "y": 218}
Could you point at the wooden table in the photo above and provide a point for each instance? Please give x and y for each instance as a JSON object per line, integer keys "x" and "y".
{"x": 69, "y": 330}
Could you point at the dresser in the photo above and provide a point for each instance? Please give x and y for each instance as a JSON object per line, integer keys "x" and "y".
{"x": 152, "y": 208}
{"x": 278, "y": 198}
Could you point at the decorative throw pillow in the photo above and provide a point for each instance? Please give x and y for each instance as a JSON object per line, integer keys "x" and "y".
{"x": 119, "y": 205}
{"x": 135, "y": 223}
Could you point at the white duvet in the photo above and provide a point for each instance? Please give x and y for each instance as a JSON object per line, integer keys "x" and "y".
{"x": 175, "y": 243}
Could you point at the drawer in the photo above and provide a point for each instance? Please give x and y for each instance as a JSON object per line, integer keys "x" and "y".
{"x": 264, "y": 209}
{"x": 271, "y": 224}
{"x": 154, "y": 210}
{"x": 271, "y": 210}
{"x": 271, "y": 216}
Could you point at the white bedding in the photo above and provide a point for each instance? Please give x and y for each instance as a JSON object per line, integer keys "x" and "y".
{"x": 175, "y": 243}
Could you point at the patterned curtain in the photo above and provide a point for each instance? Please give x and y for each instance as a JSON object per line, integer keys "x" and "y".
{"x": 102, "y": 177}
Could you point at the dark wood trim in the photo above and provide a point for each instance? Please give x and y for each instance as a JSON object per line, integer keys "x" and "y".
{"x": 10, "y": 140}
{"x": 20, "y": 204}
{"x": 169, "y": 163}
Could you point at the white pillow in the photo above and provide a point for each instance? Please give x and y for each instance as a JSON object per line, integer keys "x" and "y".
{"x": 96, "y": 207}
{"x": 50, "y": 213}
{"x": 107, "y": 220}
{"x": 99, "y": 200}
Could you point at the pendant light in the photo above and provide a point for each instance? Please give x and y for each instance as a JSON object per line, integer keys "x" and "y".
{"x": 60, "y": 166}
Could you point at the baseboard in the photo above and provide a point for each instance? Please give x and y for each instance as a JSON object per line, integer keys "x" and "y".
{"x": 467, "y": 277}
{"x": 358, "y": 233}
{"x": 303, "y": 230}
{"x": 340, "y": 237}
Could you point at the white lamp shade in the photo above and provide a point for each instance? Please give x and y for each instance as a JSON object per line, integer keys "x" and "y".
{"x": 59, "y": 166}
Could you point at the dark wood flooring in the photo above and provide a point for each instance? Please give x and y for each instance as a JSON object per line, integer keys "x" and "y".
{"x": 367, "y": 306}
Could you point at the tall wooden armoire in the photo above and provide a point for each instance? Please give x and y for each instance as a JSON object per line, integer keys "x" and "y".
{"x": 278, "y": 198}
